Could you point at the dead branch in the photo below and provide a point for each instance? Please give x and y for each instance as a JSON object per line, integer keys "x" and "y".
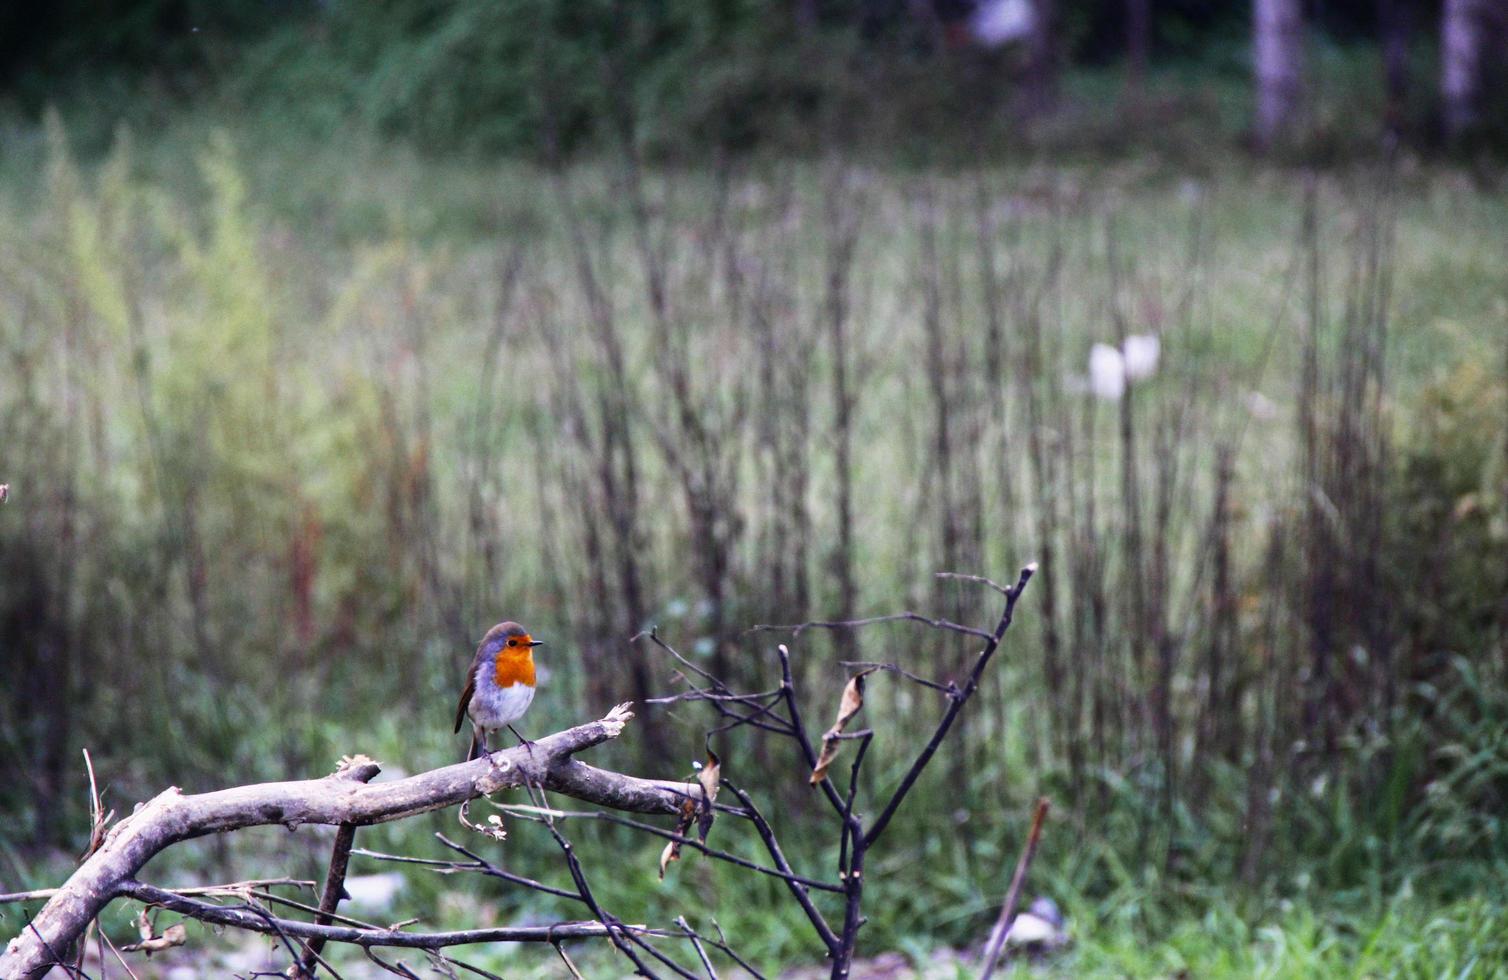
{"x": 615, "y": 931}
{"x": 855, "y": 835}
{"x": 696, "y": 942}
{"x": 955, "y": 706}
{"x": 545, "y": 816}
{"x": 344, "y": 798}
{"x": 976, "y": 579}
{"x": 996, "y": 944}
{"x": 329, "y": 899}
{"x": 229, "y": 888}
{"x": 242, "y": 917}
{"x": 796, "y": 629}
{"x": 949, "y": 689}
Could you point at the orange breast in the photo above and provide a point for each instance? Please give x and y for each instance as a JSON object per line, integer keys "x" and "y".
{"x": 514, "y": 669}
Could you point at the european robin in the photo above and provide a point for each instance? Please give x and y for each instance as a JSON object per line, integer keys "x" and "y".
{"x": 499, "y": 685}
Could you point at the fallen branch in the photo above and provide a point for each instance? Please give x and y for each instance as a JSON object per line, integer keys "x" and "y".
{"x": 341, "y": 799}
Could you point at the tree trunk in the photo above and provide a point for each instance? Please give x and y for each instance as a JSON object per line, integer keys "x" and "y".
{"x": 1042, "y": 82}
{"x": 806, "y": 16}
{"x": 1278, "y": 47}
{"x": 1463, "y": 41}
{"x": 1395, "y": 21}
{"x": 1138, "y": 43}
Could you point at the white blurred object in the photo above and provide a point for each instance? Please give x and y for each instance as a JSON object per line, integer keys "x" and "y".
{"x": 1039, "y": 928}
{"x": 1110, "y": 368}
{"x": 374, "y": 891}
{"x": 1107, "y": 372}
{"x": 1261, "y": 406}
{"x": 1141, "y": 356}
{"x": 997, "y": 22}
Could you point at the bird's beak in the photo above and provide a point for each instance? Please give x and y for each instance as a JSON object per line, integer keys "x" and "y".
{"x": 536, "y": 643}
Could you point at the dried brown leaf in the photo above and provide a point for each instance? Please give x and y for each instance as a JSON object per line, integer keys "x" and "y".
{"x": 853, "y": 700}
{"x": 173, "y": 935}
{"x": 672, "y": 851}
{"x": 711, "y": 778}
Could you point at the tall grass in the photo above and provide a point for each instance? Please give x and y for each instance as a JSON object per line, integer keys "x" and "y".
{"x": 271, "y": 479}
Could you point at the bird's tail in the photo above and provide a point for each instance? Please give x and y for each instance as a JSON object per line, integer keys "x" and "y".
{"x": 474, "y": 750}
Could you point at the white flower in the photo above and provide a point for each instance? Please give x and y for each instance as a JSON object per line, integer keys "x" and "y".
{"x": 1107, "y": 372}
{"x": 1141, "y": 356}
{"x": 1110, "y": 368}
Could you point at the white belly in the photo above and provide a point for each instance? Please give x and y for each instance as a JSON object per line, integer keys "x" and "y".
{"x": 492, "y": 708}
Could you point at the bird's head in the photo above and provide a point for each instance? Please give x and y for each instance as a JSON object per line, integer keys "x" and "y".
{"x": 510, "y": 639}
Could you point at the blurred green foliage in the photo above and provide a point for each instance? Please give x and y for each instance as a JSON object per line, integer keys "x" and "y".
{"x": 551, "y": 78}
{"x": 1452, "y": 504}
{"x": 269, "y": 484}
{"x": 261, "y": 517}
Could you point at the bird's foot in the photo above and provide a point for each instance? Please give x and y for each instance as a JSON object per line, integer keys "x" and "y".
{"x": 526, "y": 743}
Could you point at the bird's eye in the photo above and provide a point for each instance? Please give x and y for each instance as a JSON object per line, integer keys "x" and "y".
{"x": 513, "y": 643}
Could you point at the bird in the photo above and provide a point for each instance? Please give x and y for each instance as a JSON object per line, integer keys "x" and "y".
{"x": 499, "y": 685}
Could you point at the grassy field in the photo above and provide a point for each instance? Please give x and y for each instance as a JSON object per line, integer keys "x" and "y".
{"x": 289, "y": 424}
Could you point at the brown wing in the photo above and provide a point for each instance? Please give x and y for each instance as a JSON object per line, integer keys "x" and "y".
{"x": 468, "y": 692}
